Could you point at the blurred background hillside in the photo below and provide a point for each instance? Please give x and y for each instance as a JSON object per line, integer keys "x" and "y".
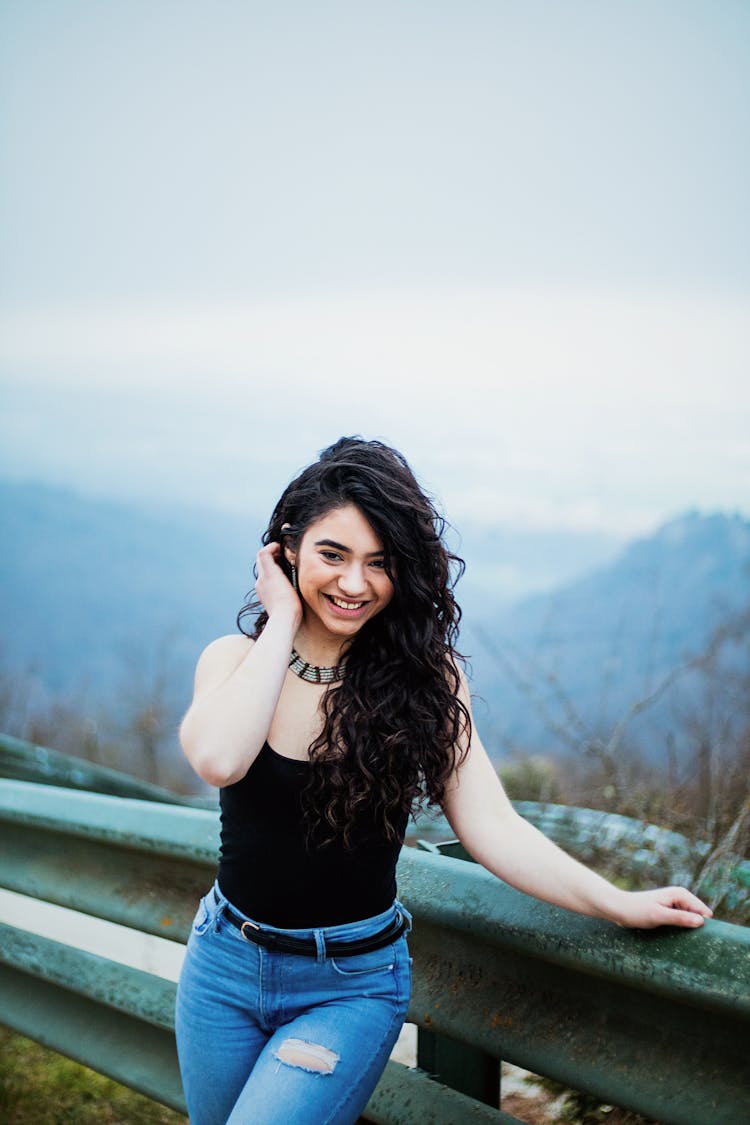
{"x": 107, "y": 607}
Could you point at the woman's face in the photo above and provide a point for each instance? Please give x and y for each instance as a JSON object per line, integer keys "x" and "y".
{"x": 340, "y": 571}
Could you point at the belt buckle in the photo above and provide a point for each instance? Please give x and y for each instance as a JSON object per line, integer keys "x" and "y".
{"x": 253, "y": 926}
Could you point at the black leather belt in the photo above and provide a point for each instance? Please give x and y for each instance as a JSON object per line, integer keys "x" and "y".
{"x": 306, "y": 947}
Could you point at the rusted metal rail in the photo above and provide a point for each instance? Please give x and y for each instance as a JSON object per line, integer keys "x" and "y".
{"x": 658, "y": 1022}
{"x": 26, "y": 761}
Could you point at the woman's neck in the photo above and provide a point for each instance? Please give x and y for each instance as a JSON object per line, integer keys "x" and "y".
{"x": 320, "y": 647}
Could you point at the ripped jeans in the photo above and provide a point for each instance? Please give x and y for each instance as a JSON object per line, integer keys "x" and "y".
{"x": 269, "y": 1038}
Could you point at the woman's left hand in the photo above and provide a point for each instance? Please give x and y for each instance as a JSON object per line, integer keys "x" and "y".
{"x": 666, "y": 906}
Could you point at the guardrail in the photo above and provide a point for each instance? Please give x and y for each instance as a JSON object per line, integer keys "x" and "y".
{"x": 26, "y": 761}
{"x": 628, "y": 847}
{"x": 657, "y": 1022}
{"x": 632, "y": 850}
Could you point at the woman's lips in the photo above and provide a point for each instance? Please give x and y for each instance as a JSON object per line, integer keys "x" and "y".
{"x": 344, "y": 607}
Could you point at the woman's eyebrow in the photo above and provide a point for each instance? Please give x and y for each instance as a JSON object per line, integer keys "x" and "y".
{"x": 346, "y": 550}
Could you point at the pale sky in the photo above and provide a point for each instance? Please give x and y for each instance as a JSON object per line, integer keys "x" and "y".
{"x": 512, "y": 239}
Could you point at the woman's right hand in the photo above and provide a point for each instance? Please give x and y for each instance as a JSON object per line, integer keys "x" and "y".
{"x": 274, "y": 590}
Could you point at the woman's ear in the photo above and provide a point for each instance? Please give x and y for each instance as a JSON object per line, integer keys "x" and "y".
{"x": 287, "y": 537}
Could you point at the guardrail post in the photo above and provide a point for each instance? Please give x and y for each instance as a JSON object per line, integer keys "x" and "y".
{"x": 458, "y": 1065}
{"x": 463, "y": 1068}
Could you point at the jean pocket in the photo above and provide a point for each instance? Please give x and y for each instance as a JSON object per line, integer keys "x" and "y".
{"x": 362, "y": 964}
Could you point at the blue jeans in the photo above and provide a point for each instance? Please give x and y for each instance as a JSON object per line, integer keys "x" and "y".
{"x": 280, "y": 1039}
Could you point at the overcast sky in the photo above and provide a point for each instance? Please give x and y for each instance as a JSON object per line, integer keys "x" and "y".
{"x": 511, "y": 238}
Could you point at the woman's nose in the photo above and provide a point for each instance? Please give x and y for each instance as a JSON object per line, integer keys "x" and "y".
{"x": 352, "y": 580}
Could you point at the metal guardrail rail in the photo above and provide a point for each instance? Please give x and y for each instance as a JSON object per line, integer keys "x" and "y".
{"x": 657, "y": 1022}
{"x": 628, "y": 846}
{"x": 26, "y": 761}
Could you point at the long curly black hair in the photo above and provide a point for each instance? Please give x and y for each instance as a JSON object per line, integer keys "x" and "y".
{"x": 394, "y": 725}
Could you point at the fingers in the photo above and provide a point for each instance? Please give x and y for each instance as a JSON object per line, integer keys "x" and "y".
{"x": 667, "y": 906}
{"x": 268, "y": 555}
{"x": 268, "y": 566}
{"x": 272, "y": 586}
{"x": 689, "y": 919}
{"x": 678, "y": 898}
{"x": 268, "y": 563}
{"x": 686, "y": 918}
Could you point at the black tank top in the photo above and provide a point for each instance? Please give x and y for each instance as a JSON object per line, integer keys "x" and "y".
{"x": 267, "y": 870}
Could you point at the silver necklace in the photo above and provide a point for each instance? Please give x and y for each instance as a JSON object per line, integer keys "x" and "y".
{"x": 314, "y": 673}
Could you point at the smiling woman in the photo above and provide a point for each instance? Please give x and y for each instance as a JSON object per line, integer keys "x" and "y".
{"x": 338, "y": 713}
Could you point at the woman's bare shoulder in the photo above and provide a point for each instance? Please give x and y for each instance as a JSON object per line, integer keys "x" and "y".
{"x": 233, "y": 644}
{"x": 221, "y": 657}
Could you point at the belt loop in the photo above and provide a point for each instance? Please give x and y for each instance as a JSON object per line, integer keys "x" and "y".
{"x": 320, "y": 945}
{"x": 221, "y": 903}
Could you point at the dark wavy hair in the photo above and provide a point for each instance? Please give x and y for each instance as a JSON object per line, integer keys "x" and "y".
{"x": 394, "y": 724}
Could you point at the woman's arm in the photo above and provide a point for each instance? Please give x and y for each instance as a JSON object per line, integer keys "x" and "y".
{"x": 488, "y": 826}
{"x": 238, "y": 683}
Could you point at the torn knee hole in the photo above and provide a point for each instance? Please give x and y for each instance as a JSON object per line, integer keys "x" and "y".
{"x": 307, "y": 1056}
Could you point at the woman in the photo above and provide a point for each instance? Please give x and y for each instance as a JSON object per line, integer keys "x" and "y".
{"x": 341, "y": 713}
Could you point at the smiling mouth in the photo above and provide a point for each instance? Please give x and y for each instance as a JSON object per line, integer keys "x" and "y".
{"x": 342, "y": 603}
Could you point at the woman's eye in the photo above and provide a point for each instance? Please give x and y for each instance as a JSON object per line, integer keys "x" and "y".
{"x": 330, "y": 556}
{"x": 379, "y": 563}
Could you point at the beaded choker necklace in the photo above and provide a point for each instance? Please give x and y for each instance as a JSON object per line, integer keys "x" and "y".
{"x": 313, "y": 673}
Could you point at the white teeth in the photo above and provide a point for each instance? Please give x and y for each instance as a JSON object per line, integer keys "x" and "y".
{"x": 346, "y": 605}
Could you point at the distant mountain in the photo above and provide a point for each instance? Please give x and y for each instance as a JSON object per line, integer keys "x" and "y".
{"x": 101, "y": 600}
{"x": 601, "y": 646}
{"x": 506, "y": 563}
{"x": 92, "y": 588}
